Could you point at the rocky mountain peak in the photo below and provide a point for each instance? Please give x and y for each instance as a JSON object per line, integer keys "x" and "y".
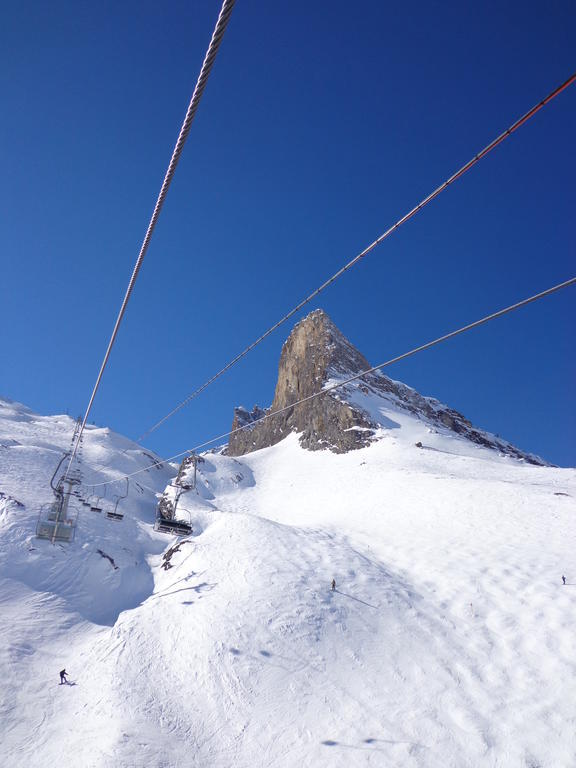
{"x": 314, "y": 351}
{"x": 317, "y": 355}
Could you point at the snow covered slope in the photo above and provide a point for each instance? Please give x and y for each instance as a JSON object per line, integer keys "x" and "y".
{"x": 448, "y": 641}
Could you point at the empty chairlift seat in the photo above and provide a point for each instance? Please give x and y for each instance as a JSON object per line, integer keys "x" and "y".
{"x": 94, "y": 504}
{"x": 166, "y": 520}
{"x": 114, "y": 514}
{"x": 95, "y": 500}
{"x": 177, "y": 527}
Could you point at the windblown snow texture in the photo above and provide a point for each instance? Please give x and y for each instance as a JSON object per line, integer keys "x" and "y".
{"x": 448, "y": 642}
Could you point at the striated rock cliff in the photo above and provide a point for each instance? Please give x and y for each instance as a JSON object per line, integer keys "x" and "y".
{"x": 316, "y": 355}
{"x": 313, "y": 353}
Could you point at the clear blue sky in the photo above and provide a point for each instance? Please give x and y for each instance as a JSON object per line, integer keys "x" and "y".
{"x": 322, "y": 123}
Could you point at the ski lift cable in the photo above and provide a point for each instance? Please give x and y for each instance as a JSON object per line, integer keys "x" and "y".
{"x": 493, "y": 144}
{"x": 357, "y": 376}
{"x": 220, "y": 28}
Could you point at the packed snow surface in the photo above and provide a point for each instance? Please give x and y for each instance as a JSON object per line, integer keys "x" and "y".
{"x": 448, "y": 641}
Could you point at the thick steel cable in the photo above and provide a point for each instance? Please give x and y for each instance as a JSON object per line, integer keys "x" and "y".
{"x": 498, "y": 140}
{"x": 218, "y": 34}
{"x": 340, "y": 384}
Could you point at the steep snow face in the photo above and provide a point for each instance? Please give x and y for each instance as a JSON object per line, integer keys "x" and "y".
{"x": 389, "y": 404}
{"x": 447, "y": 642}
{"x": 105, "y": 571}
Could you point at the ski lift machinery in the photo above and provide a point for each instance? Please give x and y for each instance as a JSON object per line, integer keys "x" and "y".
{"x": 57, "y": 521}
{"x": 166, "y": 521}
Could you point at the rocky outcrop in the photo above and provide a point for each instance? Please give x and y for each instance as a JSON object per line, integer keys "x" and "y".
{"x": 314, "y": 351}
{"x": 317, "y": 355}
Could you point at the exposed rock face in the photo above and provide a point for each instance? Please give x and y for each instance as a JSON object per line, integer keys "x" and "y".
{"x": 314, "y": 351}
{"x": 316, "y": 355}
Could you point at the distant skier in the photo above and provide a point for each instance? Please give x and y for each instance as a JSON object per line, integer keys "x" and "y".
{"x": 333, "y": 585}
{"x": 63, "y": 679}
{"x": 563, "y": 579}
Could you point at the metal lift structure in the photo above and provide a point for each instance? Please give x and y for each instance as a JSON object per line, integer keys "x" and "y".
{"x": 114, "y": 514}
{"x": 95, "y": 501}
{"x": 166, "y": 514}
{"x": 57, "y": 520}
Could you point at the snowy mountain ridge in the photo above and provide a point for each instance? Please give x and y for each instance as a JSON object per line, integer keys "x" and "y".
{"x": 318, "y": 356}
{"x": 448, "y": 641}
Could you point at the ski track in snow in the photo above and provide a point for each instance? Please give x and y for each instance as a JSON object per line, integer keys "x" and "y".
{"x": 448, "y": 641}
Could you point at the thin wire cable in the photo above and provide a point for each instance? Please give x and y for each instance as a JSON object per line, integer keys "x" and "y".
{"x": 340, "y": 384}
{"x": 209, "y": 59}
{"x": 498, "y": 140}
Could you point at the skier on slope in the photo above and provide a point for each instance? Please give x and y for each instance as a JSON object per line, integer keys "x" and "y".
{"x": 563, "y": 579}
{"x": 63, "y": 677}
{"x": 333, "y": 585}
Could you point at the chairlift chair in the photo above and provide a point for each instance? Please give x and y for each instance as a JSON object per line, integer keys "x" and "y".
{"x": 177, "y": 527}
{"x": 166, "y": 521}
{"x": 114, "y": 514}
{"x": 94, "y": 500}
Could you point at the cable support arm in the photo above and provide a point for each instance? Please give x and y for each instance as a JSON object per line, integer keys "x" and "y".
{"x": 455, "y": 176}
